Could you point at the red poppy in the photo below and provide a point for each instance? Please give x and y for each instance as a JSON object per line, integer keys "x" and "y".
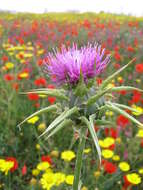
{"x": 15, "y": 166}
{"x": 139, "y": 68}
{"x": 40, "y": 82}
{"x": 46, "y": 159}
{"x": 8, "y": 77}
{"x": 109, "y": 167}
{"x": 136, "y": 97}
{"x": 4, "y": 58}
{"x": 117, "y": 56}
{"x": 33, "y": 97}
{"x": 24, "y": 170}
{"x": 122, "y": 121}
{"x": 130, "y": 49}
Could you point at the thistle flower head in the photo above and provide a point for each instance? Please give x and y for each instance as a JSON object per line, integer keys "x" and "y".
{"x": 65, "y": 66}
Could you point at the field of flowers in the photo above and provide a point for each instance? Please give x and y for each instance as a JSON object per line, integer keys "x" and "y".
{"x": 31, "y": 163}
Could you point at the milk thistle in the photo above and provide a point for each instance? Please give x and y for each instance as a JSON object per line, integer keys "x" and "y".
{"x": 82, "y": 101}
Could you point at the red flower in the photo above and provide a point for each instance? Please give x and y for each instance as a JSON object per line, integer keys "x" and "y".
{"x": 33, "y": 97}
{"x": 136, "y": 97}
{"x": 24, "y": 170}
{"x": 51, "y": 99}
{"x": 109, "y": 167}
{"x": 15, "y": 166}
{"x": 46, "y": 159}
{"x": 130, "y": 49}
{"x": 139, "y": 68}
{"x": 122, "y": 121}
{"x": 117, "y": 56}
{"x": 4, "y": 58}
{"x": 40, "y": 82}
{"x": 8, "y": 77}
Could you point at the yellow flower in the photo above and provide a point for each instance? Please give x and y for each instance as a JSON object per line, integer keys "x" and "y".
{"x": 59, "y": 178}
{"x": 33, "y": 181}
{"x": 109, "y": 113}
{"x": 97, "y": 174}
{"x": 69, "y": 179}
{"x": 9, "y": 65}
{"x": 68, "y": 155}
{"x": 134, "y": 178}
{"x": 139, "y": 110}
{"x": 87, "y": 150}
{"x": 55, "y": 153}
{"x": 110, "y": 85}
{"x": 124, "y": 166}
{"x": 35, "y": 172}
{"x": 41, "y": 127}
{"x": 140, "y": 133}
{"x": 116, "y": 157}
{"x": 107, "y": 153}
{"x": 33, "y": 120}
{"x": 84, "y": 188}
{"x": 47, "y": 181}
{"x": 107, "y": 142}
{"x": 42, "y": 95}
{"x": 38, "y": 146}
{"x": 141, "y": 171}
{"x": 42, "y": 166}
{"x": 5, "y": 166}
{"x": 24, "y": 75}
{"x": 119, "y": 79}
{"x": 118, "y": 140}
{"x": 28, "y": 55}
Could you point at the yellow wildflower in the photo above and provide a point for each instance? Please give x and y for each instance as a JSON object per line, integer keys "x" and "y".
{"x": 107, "y": 153}
{"x": 33, "y": 120}
{"x": 33, "y": 181}
{"x": 9, "y": 65}
{"x": 55, "y": 153}
{"x": 141, "y": 171}
{"x": 139, "y": 110}
{"x": 59, "y": 178}
{"x": 116, "y": 157}
{"x": 140, "y": 133}
{"x": 97, "y": 174}
{"x": 134, "y": 178}
{"x": 124, "y": 166}
{"x": 69, "y": 179}
{"x": 35, "y": 172}
{"x": 41, "y": 127}
{"x": 107, "y": 142}
{"x": 42, "y": 166}
{"x": 23, "y": 75}
{"x": 5, "y": 166}
{"x": 87, "y": 150}
{"x": 68, "y": 155}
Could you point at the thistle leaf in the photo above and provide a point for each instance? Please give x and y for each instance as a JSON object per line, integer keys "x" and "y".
{"x": 50, "y": 92}
{"x": 110, "y": 78}
{"x": 94, "y": 98}
{"x": 125, "y": 107}
{"x": 59, "y": 119}
{"x": 59, "y": 127}
{"x": 90, "y": 125}
{"x": 43, "y": 110}
{"x": 127, "y": 88}
{"x": 104, "y": 122}
{"x": 116, "y": 109}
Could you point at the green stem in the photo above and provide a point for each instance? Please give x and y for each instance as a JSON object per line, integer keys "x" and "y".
{"x": 79, "y": 160}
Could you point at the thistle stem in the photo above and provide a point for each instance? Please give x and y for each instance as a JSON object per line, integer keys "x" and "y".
{"x": 79, "y": 160}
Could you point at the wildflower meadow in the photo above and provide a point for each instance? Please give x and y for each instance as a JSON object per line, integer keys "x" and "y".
{"x": 71, "y": 101}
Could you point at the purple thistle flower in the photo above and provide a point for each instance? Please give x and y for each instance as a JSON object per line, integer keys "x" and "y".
{"x": 66, "y": 65}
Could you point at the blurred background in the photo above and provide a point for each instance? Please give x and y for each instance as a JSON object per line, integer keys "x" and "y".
{"x": 131, "y": 7}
